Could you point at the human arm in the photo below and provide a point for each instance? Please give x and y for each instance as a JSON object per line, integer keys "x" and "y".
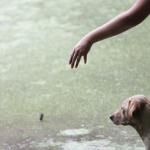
{"x": 126, "y": 20}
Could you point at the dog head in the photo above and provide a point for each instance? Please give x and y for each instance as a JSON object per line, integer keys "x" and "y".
{"x": 132, "y": 111}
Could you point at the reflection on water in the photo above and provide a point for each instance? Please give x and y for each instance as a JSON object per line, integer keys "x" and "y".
{"x": 76, "y": 139}
{"x": 36, "y": 37}
{"x": 74, "y": 132}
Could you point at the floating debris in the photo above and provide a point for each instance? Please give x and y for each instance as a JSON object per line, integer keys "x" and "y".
{"x": 41, "y": 116}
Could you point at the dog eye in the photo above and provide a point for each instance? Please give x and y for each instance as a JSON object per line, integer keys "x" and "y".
{"x": 123, "y": 111}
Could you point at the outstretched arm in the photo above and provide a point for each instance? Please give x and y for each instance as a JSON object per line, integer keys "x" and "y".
{"x": 128, "y": 19}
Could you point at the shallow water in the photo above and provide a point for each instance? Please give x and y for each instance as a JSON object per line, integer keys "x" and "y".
{"x": 35, "y": 42}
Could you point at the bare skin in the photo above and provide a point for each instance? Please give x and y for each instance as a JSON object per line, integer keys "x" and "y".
{"x": 126, "y": 20}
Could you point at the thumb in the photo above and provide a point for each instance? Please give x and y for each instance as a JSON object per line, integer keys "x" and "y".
{"x": 85, "y": 58}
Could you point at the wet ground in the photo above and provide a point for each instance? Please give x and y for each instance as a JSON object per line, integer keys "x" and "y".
{"x": 94, "y": 138}
{"x": 36, "y": 37}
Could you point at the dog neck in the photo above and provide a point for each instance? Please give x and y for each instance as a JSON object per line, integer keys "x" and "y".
{"x": 143, "y": 128}
{"x": 146, "y": 141}
{"x": 145, "y": 136}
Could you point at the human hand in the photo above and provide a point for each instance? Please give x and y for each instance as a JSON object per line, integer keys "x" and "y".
{"x": 81, "y": 49}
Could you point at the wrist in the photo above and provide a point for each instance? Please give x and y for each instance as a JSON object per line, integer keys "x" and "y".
{"x": 89, "y": 39}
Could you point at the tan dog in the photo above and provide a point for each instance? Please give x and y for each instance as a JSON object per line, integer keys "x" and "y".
{"x": 135, "y": 111}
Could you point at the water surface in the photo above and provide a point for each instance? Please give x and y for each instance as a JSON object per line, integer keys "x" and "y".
{"x": 35, "y": 42}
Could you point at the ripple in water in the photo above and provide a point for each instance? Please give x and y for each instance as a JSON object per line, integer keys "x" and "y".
{"x": 75, "y": 132}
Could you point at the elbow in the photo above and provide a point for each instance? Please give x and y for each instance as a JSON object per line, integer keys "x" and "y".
{"x": 133, "y": 20}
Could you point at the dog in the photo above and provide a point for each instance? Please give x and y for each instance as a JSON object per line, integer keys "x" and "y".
{"x": 135, "y": 111}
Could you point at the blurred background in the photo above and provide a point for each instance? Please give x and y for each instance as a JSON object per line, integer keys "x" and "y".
{"x": 36, "y": 39}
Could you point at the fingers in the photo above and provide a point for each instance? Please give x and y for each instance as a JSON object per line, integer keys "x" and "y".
{"x": 78, "y": 60}
{"x": 74, "y": 59}
{"x": 71, "y": 56}
{"x": 85, "y": 58}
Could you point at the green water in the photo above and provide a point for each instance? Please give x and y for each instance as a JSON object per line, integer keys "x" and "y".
{"x": 36, "y": 37}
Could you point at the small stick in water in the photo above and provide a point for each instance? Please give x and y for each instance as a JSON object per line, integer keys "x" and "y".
{"x": 41, "y": 116}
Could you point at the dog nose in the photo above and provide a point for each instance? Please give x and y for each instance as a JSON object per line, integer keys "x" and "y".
{"x": 111, "y": 117}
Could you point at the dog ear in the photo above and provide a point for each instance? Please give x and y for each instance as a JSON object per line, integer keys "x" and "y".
{"x": 135, "y": 108}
